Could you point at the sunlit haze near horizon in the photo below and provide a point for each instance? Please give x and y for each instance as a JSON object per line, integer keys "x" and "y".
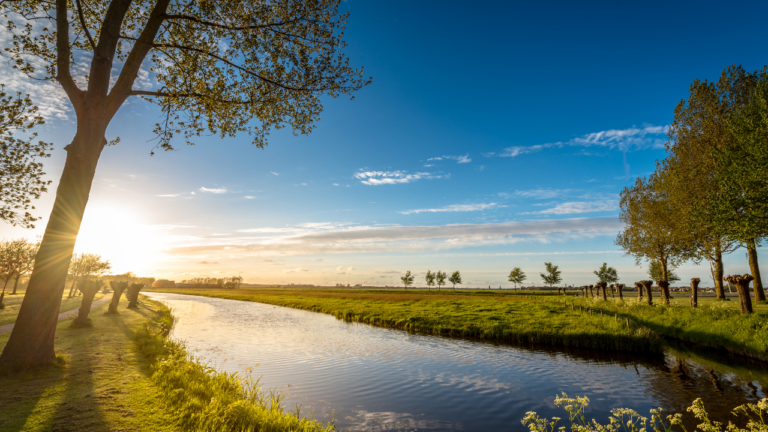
{"x": 493, "y": 136}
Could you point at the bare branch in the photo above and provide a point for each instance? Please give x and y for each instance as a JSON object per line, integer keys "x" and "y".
{"x": 63, "y": 74}
{"x": 226, "y": 27}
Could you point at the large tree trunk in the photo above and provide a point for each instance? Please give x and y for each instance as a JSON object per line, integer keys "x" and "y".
{"x": 719, "y": 273}
{"x": 31, "y": 341}
{"x": 117, "y": 291}
{"x": 603, "y": 286}
{"x": 639, "y": 287}
{"x": 72, "y": 288}
{"x": 757, "y": 284}
{"x": 619, "y": 288}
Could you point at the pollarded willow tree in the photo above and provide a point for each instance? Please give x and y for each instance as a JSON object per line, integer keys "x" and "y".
{"x": 651, "y": 228}
{"x": 221, "y": 67}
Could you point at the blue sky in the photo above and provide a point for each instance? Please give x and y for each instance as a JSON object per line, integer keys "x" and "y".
{"x": 493, "y": 136}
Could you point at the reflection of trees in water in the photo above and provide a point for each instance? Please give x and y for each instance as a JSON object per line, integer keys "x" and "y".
{"x": 677, "y": 382}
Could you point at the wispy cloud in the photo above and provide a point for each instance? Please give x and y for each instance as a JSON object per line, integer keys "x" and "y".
{"x": 622, "y": 139}
{"x": 536, "y": 193}
{"x": 456, "y": 208}
{"x": 375, "y": 178}
{"x": 169, "y": 195}
{"x": 274, "y": 173}
{"x": 214, "y": 190}
{"x": 459, "y": 159}
{"x": 580, "y": 207}
{"x": 296, "y": 270}
{"x": 249, "y": 197}
{"x": 361, "y": 238}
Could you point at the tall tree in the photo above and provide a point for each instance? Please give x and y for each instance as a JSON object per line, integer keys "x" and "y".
{"x": 553, "y": 274}
{"x": 740, "y": 200}
{"x": 650, "y": 230}
{"x": 21, "y": 172}
{"x": 692, "y": 174}
{"x": 224, "y": 67}
{"x": 430, "y": 278}
{"x": 455, "y": 279}
{"x": 517, "y": 276}
{"x": 407, "y": 280}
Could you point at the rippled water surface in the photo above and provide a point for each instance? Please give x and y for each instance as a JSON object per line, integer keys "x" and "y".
{"x": 376, "y": 379}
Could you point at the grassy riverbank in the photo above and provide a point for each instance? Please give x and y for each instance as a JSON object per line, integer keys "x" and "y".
{"x": 530, "y": 318}
{"x": 124, "y": 374}
{"x": 13, "y": 302}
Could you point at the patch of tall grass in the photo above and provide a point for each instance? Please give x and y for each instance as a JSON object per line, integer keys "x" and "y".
{"x": 628, "y": 420}
{"x": 205, "y": 399}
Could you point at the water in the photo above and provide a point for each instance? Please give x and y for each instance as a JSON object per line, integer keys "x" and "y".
{"x": 374, "y": 379}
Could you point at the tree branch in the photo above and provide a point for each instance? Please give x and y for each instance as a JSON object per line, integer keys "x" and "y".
{"x": 141, "y": 48}
{"x": 63, "y": 74}
{"x": 222, "y": 26}
{"x": 82, "y": 23}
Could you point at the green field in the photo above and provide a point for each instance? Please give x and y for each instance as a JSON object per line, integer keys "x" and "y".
{"x": 13, "y": 302}
{"x": 532, "y": 317}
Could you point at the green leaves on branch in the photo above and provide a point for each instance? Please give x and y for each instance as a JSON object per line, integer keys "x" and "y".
{"x": 517, "y": 276}
{"x": 407, "y": 279}
{"x": 606, "y": 274}
{"x": 21, "y": 172}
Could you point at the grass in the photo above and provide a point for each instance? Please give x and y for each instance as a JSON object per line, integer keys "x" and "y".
{"x": 13, "y": 303}
{"x": 532, "y": 318}
{"x": 124, "y": 374}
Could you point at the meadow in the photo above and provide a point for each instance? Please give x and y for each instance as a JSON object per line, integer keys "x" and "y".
{"x": 532, "y": 317}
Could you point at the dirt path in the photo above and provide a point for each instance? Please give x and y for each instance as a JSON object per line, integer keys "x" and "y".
{"x": 64, "y": 315}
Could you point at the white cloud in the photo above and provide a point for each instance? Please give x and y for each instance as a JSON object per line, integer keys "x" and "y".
{"x": 249, "y": 197}
{"x": 213, "y": 190}
{"x": 375, "y": 178}
{"x": 458, "y": 159}
{"x": 580, "y": 207}
{"x": 274, "y": 173}
{"x": 624, "y": 140}
{"x": 335, "y": 184}
{"x": 456, "y": 208}
{"x": 169, "y": 195}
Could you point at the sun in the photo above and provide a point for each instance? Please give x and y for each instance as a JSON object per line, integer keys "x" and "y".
{"x": 120, "y": 236}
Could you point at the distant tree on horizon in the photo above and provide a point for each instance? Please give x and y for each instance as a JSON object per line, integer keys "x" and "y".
{"x": 455, "y": 279}
{"x": 430, "y": 277}
{"x": 553, "y": 274}
{"x": 440, "y": 278}
{"x": 407, "y": 279}
{"x": 606, "y": 274}
{"x": 517, "y": 276}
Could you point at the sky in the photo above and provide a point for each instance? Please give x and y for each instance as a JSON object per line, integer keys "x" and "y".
{"x": 494, "y": 135}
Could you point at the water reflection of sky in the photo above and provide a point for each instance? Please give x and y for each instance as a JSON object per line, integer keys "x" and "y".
{"x": 375, "y": 379}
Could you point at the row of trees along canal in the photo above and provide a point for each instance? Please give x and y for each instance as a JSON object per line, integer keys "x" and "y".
{"x": 86, "y": 276}
{"x": 709, "y": 196}
{"x": 236, "y": 67}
